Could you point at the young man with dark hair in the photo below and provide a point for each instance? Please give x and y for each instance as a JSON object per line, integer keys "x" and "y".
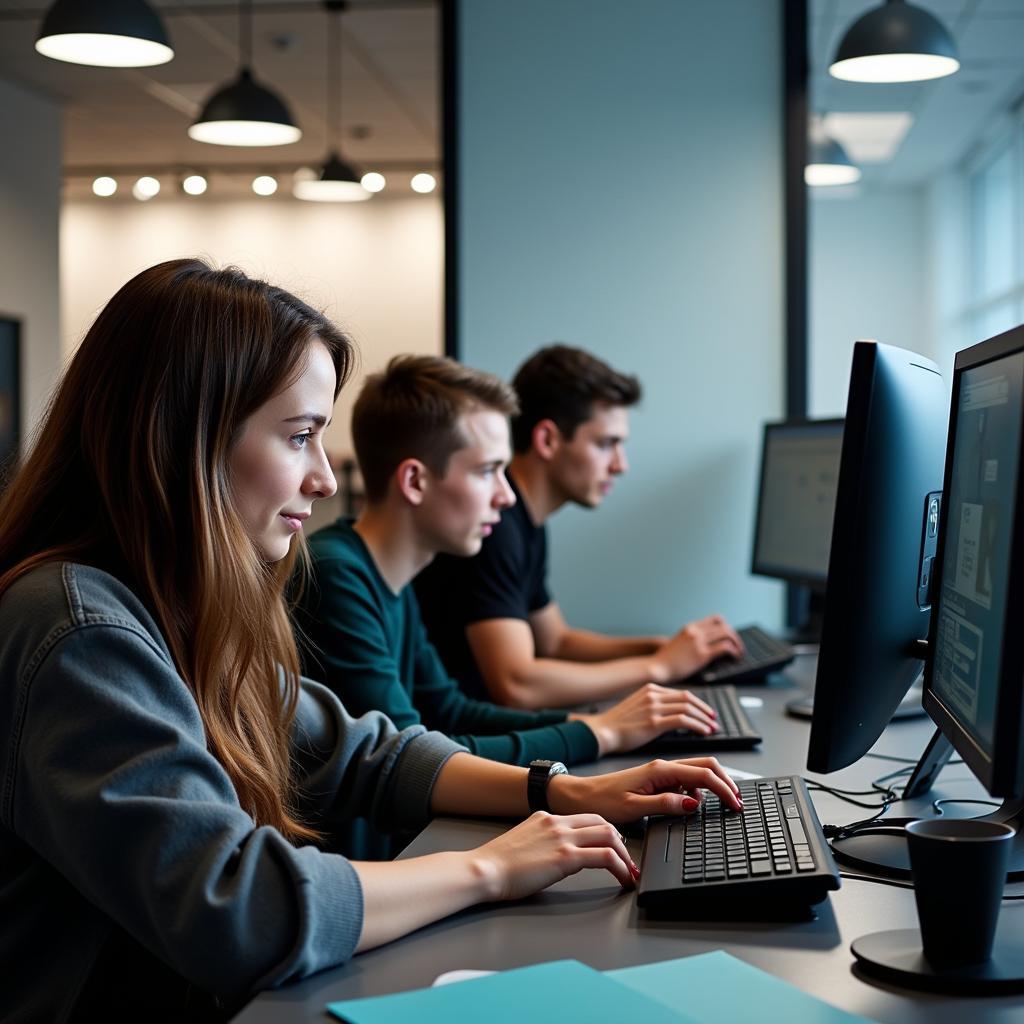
{"x": 431, "y": 437}
{"x": 491, "y": 617}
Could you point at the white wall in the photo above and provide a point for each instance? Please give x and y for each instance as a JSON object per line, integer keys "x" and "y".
{"x": 376, "y": 268}
{"x": 29, "y": 221}
{"x": 621, "y": 189}
{"x": 869, "y": 277}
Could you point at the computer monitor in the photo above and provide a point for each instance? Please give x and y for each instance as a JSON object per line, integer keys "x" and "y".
{"x": 796, "y": 500}
{"x": 884, "y": 534}
{"x": 974, "y": 656}
{"x": 975, "y": 666}
{"x": 975, "y": 660}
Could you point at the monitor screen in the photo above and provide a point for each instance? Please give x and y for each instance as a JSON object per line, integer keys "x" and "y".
{"x": 799, "y": 472}
{"x": 971, "y": 603}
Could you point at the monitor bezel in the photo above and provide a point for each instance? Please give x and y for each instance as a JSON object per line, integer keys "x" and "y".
{"x": 758, "y": 569}
{"x": 1002, "y": 773}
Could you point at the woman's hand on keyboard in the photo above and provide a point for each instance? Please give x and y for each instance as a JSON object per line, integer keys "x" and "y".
{"x": 693, "y": 647}
{"x": 658, "y": 787}
{"x": 645, "y": 715}
{"x": 546, "y": 848}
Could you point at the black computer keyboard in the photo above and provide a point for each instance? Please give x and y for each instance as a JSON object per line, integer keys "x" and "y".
{"x": 769, "y": 854}
{"x": 735, "y": 731}
{"x": 764, "y": 654}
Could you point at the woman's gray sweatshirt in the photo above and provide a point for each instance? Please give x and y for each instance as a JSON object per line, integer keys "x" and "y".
{"x": 125, "y": 858}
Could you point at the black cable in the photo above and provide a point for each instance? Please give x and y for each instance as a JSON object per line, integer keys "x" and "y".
{"x": 903, "y": 760}
{"x": 899, "y": 885}
{"x": 937, "y": 804}
{"x": 877, "y": 881}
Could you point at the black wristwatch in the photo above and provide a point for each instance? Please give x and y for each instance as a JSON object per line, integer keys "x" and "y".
{"x": 541, "y": 773}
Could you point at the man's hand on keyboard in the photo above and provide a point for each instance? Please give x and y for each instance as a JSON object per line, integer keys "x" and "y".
{"x": 693, "y": 647}
{"x": 645, "y": 715}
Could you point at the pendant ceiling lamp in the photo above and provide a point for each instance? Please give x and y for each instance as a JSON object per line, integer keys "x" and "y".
{"x": 338, "y": 181}
{"x": 897, "y": 42}
{"x": 827, "y": 161}
{"x": 244, "y": 113}
{"x": 104, "y": 33}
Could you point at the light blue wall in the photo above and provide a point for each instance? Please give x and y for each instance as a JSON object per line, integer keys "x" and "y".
{"x": 621, "y": 189}
{"x": 868, "y": 278}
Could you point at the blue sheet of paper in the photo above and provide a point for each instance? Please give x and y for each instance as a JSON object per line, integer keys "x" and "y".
{"x": 550, "y": 993}
{"x": 714, "y": 987}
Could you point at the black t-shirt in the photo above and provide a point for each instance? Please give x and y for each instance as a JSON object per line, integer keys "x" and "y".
{"x": 506, "y": 580}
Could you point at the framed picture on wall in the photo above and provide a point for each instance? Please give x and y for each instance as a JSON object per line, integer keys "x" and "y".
{"x": 10, "y": 391}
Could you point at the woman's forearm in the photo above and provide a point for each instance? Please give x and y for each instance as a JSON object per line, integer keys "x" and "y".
{"x": 403, "y": 895}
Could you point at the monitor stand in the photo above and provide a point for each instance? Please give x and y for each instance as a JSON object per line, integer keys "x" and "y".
{"x": 897, "y": 957}
{"x": 882, "y": 849}
{"x": 909, "y": 707}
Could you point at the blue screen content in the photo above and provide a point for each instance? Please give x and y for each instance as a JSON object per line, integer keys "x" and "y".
{"x": 979, "y": 531}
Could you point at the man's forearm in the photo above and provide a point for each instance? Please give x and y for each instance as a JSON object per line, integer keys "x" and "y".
{"x": 558, "y": 683}
{"x": 585, "y": 645}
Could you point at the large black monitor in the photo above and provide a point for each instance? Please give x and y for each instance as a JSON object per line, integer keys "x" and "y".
{"x": 974, "y": 655}
{"x": 884, "y": 534}
{"x": 974, "y": 671}
{"x": 974, "y": 681}
{"x": 796, "y": 500}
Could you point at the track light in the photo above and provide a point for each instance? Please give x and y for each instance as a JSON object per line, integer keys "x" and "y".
{"x": 104, "y": 33}
{"x": 898, "y": 42}
{"x": 194, "y": 185}
{"x": 373, "y": 181}
{"x": 104, "y": 186}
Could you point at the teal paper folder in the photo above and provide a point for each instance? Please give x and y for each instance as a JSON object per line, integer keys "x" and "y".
{"x": 551, "y": 993}
{"x": 718, "y": 987}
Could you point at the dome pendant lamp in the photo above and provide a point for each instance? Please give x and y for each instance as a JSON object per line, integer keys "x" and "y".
{"x": 897, "y": 42}
{"x": 105, "y": 34}
{"x": 338, "y": 181}
{"x": 244, "y": 113}
{"x": 827, "y": 162}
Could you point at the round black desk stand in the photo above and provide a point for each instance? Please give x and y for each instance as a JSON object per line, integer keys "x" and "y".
{"x": 896, "y": 957}
{"x": 909, "y": 707}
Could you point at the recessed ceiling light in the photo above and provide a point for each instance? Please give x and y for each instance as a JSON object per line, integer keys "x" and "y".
{"x": 104, "y": 186}
{"x": 423, "y": 183}
{"x": 145, "y": 188}
{"x": 869, "y": 137}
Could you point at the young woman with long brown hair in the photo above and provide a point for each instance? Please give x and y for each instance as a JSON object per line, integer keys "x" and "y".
{"x": 165, "y": 772}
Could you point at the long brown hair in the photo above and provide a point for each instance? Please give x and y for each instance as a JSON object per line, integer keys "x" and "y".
{"x": 129, "y": 472}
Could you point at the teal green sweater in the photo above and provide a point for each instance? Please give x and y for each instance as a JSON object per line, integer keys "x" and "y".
{"x": 369, "y": 646}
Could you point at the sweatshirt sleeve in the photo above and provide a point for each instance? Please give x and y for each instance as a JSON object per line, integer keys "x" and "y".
{"x": 500, "y": 734}
{"x": 114, "y": 786}
{"x": 360, "y": 664}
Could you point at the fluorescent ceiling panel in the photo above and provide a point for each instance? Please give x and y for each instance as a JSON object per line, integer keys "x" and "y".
{"x": 869, "y": 138}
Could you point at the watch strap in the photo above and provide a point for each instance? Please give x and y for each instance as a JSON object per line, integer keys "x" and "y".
{"x": 537, "y": 781}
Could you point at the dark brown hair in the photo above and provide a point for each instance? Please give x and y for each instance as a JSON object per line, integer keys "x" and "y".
{"x": 563, "y": 384}
{"x": 412, "y": 410}
{"x": 129, "y": 472}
